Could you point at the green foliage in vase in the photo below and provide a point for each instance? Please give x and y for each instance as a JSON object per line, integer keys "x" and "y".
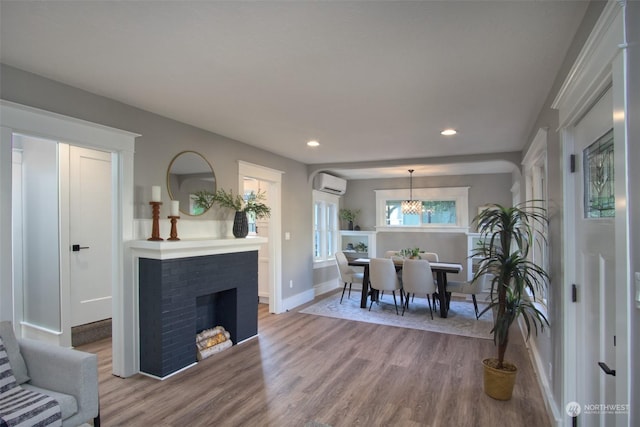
{"x": 349, "y": 214}
{"x": 253, "y": 203}
{"x": 362, "y": 247}
{"x": 410, "y": 252}
{"x": 203, "y": 199}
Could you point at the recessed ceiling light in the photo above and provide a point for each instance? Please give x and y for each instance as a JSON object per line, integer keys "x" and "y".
{"x": 448, "y": 132}
{"x": 313, "y": 143}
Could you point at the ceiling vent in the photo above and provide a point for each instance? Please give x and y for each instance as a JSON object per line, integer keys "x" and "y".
{"x": 330, "y": 184}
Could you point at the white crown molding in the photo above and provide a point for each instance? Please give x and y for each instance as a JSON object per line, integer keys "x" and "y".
{"x": 591, "y": 72}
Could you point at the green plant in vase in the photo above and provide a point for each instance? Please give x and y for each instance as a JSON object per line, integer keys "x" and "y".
{"x": 349, "y": 215}
{"x": 362, "y": 247}
{"x": 252, "y": 203}
{"x": 410, "y": 253}
{"x": 203, "y": 199}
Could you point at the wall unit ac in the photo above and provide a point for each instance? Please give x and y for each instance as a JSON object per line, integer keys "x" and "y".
{"x": 329, "y": 184}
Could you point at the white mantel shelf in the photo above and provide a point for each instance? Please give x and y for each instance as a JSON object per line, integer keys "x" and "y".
{"x": 193, "y": 247}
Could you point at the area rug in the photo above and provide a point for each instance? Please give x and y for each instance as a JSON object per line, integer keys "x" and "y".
{"x": 461, "y": 319}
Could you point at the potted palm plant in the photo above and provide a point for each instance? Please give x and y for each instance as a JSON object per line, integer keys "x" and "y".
{"x": 507, "y": 234}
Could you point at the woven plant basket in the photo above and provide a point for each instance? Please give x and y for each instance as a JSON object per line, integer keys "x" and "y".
{"x": 499, "y": 383}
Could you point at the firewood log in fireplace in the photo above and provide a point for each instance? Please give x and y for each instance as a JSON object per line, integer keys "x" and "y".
{"x": 211, "y": 341}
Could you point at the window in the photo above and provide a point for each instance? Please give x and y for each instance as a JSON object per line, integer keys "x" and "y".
{"x": 535, "y": 174}
{"x": 325, "y": 226}
{"x": 599, "y": 190}
{"x": 437, "y": 212}
{"x": 443, "y": 209}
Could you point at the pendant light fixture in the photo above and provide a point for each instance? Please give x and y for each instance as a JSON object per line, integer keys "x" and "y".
{"x": 411, "y": 207}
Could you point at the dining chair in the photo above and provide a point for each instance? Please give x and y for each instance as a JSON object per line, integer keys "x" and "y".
{"x": 393, "y": 254}
{"x": 347, "y": 274}
{"x": 429, "y": 256}
{"x": 469, "y": 288}
{"x": 383, "y": 277}
{"x": 417, "y": 278}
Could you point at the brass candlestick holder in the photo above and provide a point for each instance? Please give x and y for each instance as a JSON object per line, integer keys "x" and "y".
{"x": 174, "y": 228}
{"x": 155, "y": 229}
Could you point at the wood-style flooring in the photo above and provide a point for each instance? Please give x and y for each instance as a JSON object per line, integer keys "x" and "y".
{"x": 307, "y": 370}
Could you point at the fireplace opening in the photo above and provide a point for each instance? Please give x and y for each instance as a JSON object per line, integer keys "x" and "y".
{"x": 215, "y": 320}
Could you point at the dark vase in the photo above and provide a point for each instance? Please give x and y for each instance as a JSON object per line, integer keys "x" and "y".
{"x": 240, "y": 225}
{"x": 350, "y": 225}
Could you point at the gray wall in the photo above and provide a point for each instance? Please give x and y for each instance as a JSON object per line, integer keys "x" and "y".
{"x": 161, "y": 140}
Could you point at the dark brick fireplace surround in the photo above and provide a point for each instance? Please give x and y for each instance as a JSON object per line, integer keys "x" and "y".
{"x": 181, "y": 297}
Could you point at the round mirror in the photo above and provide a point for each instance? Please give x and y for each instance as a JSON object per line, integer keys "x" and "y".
{"x": 189, "y": 175}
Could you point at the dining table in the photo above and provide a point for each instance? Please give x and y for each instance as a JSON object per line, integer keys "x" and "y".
{"x": 441, "y": 269}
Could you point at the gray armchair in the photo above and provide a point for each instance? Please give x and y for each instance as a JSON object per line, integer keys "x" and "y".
{"x": 69, "y": 376}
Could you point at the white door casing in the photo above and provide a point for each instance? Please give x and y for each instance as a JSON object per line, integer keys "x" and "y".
{"x": 20, "y": 118}
{"x": 90, "y": 228}
{"x": 273, "y": 178}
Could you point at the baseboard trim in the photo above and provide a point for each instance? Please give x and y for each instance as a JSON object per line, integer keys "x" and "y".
{"x": 298, "y": 299}
{"x": 328, "y": 286}
{"x": 551, "y": 406}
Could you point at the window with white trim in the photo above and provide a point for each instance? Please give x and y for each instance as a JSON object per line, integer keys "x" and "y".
{"x": 325, "y": 225}
{"x": 443, "y": 209}
{"x": 535, "y": 174}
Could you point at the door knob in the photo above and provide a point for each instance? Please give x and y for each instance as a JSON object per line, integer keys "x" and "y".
{"x": 76, "y": 248}
{"x": 606, "y": 369}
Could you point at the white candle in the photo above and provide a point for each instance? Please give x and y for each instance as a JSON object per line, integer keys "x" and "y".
{"x": 175, "y": 208}
{"x": 155, "y": 194}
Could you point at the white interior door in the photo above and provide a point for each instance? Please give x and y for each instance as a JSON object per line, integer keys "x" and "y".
{"x": 90, "y": 230}
{"x": 595, "y": 272}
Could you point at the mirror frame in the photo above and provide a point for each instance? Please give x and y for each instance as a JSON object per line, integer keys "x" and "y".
{"x": 183, "y": 209}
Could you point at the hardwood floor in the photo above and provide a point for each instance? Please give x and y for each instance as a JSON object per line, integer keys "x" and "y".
{"x": 307, "y": 370}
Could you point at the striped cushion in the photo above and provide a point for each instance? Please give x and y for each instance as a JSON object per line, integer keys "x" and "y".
{"x": 7, "y": 380}
{"x": 12, "y": 347}
{"x": 26, "y": 408}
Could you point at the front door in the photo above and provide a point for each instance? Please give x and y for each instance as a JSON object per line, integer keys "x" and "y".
{"x": 594, "y": 231}
{"x": 90, "y": 232}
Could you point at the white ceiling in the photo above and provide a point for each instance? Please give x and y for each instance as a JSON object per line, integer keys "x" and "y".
{"x": 369, "y": 80}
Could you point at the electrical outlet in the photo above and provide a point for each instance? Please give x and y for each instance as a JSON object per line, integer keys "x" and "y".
{"x": 291, "y": 283}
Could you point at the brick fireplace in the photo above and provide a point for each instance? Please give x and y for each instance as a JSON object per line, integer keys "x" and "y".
{"x": 178, "y": 298}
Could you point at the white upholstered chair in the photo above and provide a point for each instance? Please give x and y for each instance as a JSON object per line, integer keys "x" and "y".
{"x": 469, "y": 288}
{"x": 417, "y": 278}
{"x": 429, "y": 256}
{"x": 347, "y": 274}
{"x": 383, "y": 277}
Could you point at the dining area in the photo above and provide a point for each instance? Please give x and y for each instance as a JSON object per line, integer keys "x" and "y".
{"x": 405, "y": 274}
